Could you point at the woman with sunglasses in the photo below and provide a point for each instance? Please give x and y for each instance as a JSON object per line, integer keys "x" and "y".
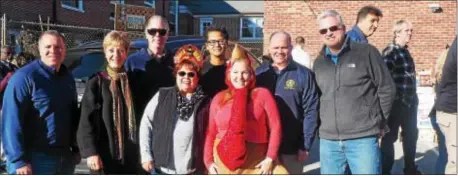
{"x": 107, "y": 132}
{"x": 172, "y": 129}
{"x": 244, "y": 130}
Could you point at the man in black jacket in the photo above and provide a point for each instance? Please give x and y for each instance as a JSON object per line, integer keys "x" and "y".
{"x": 356, "y": 97}
{"x": 446, "y": 107}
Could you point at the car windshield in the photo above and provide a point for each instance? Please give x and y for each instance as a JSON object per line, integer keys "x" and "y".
{"x": 90, "y": 64}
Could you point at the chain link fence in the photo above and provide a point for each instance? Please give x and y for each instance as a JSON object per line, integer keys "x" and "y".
{"x": 23, "y": 36}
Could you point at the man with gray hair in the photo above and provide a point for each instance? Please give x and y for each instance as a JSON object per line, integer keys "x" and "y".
{"x": 150, "y": 69}
{"x": 40, "y": 114}
{"x": 356, "y": 97}
{"x": 296, "y": 96}
{"x": 404, "y": 112}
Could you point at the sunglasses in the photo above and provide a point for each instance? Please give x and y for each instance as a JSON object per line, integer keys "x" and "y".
{"x": 154, "y": 31}
{"x": 190, "y": 74}
{"x": 332, "y": 29}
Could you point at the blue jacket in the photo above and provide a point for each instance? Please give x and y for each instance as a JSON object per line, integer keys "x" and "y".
{"x": 40, "y": 113}
{"x": 356, "y": 35}
{"x": 297, "y": 100}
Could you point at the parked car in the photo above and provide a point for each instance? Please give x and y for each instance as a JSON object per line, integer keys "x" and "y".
{"x": 87, "y": 59}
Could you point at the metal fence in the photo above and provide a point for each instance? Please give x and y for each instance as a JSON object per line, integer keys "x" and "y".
{"x": 25, "y": 34}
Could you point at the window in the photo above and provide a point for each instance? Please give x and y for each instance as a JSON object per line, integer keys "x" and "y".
{"x": 76, "y": 5}
{"x": 204, "y": 24}
{"x": 173, "y": 16}
{"x": 150, "y": 3}
{"x": 251, "y": 28}
{"x": 112, "y": 14}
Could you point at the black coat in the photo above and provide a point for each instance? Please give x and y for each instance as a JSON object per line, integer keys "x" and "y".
{"x": 95, "y": 132}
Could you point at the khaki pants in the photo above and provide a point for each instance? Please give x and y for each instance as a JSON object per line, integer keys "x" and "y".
{"x": 447, "y": 124}
{"x": 256, "y": 153}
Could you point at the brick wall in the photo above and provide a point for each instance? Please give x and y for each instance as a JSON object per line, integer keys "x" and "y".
{"x": 96, "y": 12}
{"x": 431, "y": 31}
{"x": 26, "y": 10}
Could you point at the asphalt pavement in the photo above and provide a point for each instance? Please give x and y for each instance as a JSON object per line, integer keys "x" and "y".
{"x": 425, "y": 158}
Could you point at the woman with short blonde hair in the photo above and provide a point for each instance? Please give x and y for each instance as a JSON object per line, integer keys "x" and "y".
{"x": 107, "y": 132}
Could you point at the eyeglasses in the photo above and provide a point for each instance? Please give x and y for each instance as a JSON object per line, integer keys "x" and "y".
{"x": 190, "y": 74}
{"x": 332, "y": 29}
{"x": 154, "y": 31}
{"x": 213, "y": 42}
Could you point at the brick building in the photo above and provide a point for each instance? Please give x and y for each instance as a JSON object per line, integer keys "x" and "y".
{"x": 242, "y": 19}
{"x": 431, "y": 31}
{"x": 88, "y": 13}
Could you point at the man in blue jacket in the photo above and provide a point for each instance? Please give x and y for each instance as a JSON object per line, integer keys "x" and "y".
{"x": 367, "y": 23}
{"x": 40, "y": 114}
{"x": 297, "y": 99}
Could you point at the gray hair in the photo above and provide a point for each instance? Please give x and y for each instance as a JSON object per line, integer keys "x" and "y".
{"x": 288, "y": 36}
{"x": 397, "y": 27}
{"x": 52, "y": 33}
{"x": 164, "y": 21}
{"x": 330, "y": 13}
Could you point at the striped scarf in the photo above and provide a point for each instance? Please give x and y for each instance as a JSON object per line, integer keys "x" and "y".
{"x": 119, "y": 109}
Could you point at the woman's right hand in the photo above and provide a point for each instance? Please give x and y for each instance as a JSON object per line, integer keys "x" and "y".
{"x": 148, "y": 166}
{"x": 213, "y": 169}
{"x": 94, "y": 162}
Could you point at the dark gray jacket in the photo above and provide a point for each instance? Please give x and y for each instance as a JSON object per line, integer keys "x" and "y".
{"x": 356, "y": 93}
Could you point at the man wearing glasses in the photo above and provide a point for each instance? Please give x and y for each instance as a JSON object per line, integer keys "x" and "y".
{"x": 213, "y": 71}
{"x": 150, "y": 68}
{"x": 357, "y": 92}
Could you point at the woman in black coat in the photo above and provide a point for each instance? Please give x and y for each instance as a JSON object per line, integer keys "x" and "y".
{"x": 107, "y": 133}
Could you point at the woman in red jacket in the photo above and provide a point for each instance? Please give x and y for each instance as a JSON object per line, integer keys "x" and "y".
{"x": 244, "y": 131}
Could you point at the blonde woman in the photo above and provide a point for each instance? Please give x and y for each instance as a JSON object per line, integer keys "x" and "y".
{"x": 107, "y": 133}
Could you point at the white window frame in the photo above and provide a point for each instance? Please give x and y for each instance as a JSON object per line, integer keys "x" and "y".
{"x": 202, "y": 21}
{"x": 175, "y": 13}
{"x": 80, "y": 7}
{"x": 115, "y": 2}
{"x": 153, "y": 4}
{"x": 254, "y": 31}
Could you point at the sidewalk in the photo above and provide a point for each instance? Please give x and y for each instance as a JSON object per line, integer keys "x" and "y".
{"x": 425, "y": 158}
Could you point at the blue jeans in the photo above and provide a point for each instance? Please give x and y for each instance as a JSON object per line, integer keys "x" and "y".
{"x": 406, "y": 118}
{"x": 45, "y": 164}
{"x": 443, "y": 155}
{"x": 362, "y": 156}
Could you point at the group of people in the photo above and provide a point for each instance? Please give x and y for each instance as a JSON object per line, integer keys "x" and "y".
{"x": 156, "y": 112}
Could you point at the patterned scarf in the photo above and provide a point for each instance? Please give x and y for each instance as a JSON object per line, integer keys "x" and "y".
{"x": 119, "y": 111}
{"x": 185, "y": 107}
